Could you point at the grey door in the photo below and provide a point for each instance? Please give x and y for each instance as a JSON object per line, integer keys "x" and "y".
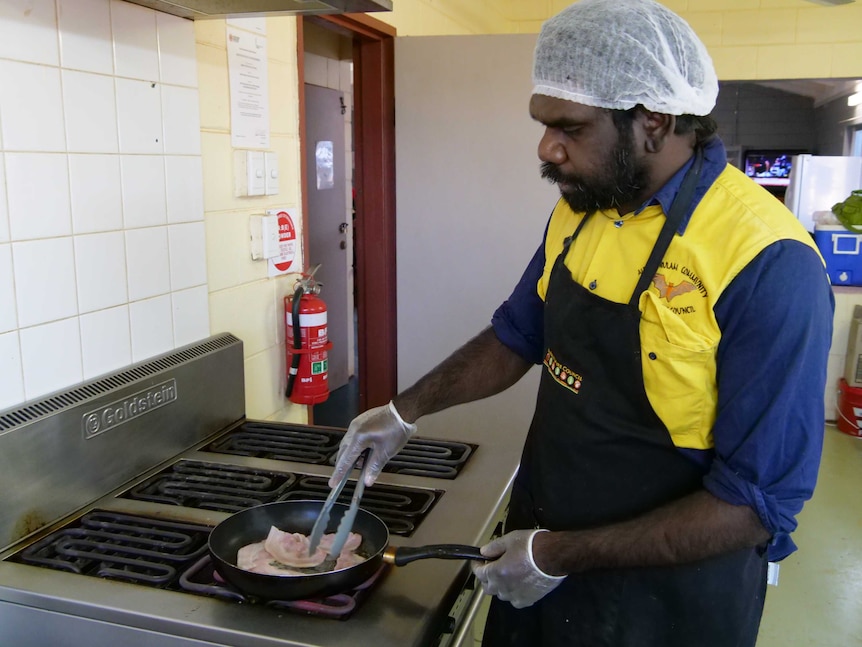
{"x": 328, "y": 222}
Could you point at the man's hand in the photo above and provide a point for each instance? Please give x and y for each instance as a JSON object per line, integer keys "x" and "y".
{"x": 381, "y": 429}
{"x": 513, "y": 576}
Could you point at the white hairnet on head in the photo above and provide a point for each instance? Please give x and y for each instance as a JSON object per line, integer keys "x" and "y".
{"x": 620, "y": 53}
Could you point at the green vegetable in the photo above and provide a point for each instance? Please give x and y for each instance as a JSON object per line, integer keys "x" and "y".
{"x": 849, "y": 212}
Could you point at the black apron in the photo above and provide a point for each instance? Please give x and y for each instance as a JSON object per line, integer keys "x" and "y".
{"x": 600, "y": 456}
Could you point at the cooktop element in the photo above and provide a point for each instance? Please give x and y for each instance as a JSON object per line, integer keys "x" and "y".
{"x": 110, "y": 545}
{"x": 319, "y": 445}
{"x": 165, "y": 555}
{"x": 230, "y": 488}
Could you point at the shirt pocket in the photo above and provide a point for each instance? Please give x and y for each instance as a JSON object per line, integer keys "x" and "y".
{"x": 679, "y": 373}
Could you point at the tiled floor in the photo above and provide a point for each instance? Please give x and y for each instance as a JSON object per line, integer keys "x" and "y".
{"x": 818, "y": 601}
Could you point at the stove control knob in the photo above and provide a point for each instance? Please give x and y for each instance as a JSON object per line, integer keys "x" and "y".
{"x": 451, "y": 625}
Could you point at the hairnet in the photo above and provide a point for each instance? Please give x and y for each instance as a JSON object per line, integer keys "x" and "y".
{"x": 620, "y": 53}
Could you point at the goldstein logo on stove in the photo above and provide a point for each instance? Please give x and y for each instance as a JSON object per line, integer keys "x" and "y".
{"x": 100, "y": 420}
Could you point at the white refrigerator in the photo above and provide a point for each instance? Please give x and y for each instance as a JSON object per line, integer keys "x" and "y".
{"x": 818, "y": 181}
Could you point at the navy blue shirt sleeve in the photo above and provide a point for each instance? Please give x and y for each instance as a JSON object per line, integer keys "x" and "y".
{"x": 519, "y": 322}
{"x": 776, "y": 323}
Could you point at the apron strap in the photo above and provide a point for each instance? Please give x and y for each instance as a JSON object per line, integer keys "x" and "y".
{"x": 678, "y": 209}
{"x": 568, "y": 240}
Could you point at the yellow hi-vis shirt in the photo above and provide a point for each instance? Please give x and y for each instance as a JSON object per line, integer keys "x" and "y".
{"x": 732, "y": 224}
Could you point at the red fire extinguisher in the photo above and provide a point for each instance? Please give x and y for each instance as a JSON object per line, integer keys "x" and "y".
{"x": 307, "y": 343}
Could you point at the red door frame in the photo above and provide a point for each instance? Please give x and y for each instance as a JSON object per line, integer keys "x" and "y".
{"x": 374, "y": 179}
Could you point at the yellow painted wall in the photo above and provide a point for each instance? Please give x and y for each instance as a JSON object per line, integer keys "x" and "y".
{"x": 242, "y": 299}
{"x": 748, "y": 39}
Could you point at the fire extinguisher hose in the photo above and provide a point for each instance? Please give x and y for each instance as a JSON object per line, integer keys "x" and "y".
{"x": 297, "y": 339}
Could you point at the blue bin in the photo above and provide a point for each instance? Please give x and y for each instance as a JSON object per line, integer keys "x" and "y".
{"x": 842, "y": 250}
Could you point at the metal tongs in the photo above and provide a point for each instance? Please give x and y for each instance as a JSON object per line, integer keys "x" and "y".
{"x": 346, "y": 524}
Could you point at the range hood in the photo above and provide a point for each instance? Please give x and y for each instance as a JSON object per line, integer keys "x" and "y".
{"x": 197, "y": 9}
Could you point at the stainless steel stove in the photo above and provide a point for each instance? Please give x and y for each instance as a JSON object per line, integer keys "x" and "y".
{"x": 111, "y": 489}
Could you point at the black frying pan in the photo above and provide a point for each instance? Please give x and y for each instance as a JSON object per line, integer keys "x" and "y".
{"x": 253, "y": 524}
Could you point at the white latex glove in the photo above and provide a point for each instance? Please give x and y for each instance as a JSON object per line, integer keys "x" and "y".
{"x": 513, "y": 576}
{"x": 382, "y": 429}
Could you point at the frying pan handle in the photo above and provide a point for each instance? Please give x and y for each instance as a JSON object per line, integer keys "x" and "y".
{"x": 404, "y": 555}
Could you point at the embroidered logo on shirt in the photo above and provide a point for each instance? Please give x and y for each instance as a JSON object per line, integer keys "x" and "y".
{"x": 668, "y": 290}
{"x": 561, "y": 373}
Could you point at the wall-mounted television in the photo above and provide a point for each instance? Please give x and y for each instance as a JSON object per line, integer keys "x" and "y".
{"x": 770, "y": 168}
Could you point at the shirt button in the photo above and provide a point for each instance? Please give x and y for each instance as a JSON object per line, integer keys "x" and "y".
{"x": 593, "y": 285}
{"x": 652, "y": 356}
{"x": 618, "y": 223}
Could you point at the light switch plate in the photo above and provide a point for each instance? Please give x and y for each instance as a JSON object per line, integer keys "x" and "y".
{"x": 249, "y": 173}
{"x": 269, "y": 237}
{"x": 263, "y": 232}
{"x": 255, "y": 230}
{"x": 271, "y": 173}
{"x": 256, "y": 172}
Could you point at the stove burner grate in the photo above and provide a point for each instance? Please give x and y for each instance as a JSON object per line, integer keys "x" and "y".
{"x": 230, "y": 488}
{"x": 122, "y": 547}
{"x": 319, "y": 445}
{"x": 213, "y": 486}
{"x": 401, "y": 508}
{"x": 303, "y": 445}
{"x": 161, "y": 554}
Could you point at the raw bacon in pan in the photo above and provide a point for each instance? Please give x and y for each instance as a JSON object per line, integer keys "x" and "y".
{"x": 291, "y": 549}
{"x": 282, "y": 553}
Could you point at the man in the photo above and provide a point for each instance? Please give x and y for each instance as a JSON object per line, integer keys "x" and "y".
{"x": 683, "y": 320}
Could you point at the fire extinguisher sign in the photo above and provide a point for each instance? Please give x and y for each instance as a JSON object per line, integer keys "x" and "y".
{"x": 290, "y": 251}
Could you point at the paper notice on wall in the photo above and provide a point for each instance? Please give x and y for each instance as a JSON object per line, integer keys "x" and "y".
{"x": 289, "y": 259}
{"x": 249, "y": 89}
{"x": 257, "y": 25}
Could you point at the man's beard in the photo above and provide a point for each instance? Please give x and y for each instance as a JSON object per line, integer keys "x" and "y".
{"x": 620, "y": 180}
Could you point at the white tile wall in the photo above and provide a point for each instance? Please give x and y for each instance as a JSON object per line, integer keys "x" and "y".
{"x": 100, "y": 269}
{"x": 143, "y": 186}
{"x": 37, "y": 187}
{"x": 148, "y": 262}
{"x": 4, "y": 211}
{"x": 152, "y": 331}
{"x": 102, "y": 238}
{"x": 184, "y": 187}
{"x": 95, "y": 188}
{"x": 11, "y": 377}
{"x": 188, "y": 255}
{"x": 86, "y": 29}
{"x": 51, "y": 356}
{"x": 44, "y": 280}
{"x": 181, "y": 120}
{"x": 106, "y": 342}
{"x": 8, "y": 310}
{"x": 177, "y": 50}
{"x": 139, "y": 113}
{"x": 136, "y": 43}
{"x": 91, "y": 116}
{"x": 28, "y": 31}
{"x": 190, "y": 308}
{"x": 32, "y": 107}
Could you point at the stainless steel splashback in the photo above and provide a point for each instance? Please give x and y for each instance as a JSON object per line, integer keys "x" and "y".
{"x": 63, "y": 451}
